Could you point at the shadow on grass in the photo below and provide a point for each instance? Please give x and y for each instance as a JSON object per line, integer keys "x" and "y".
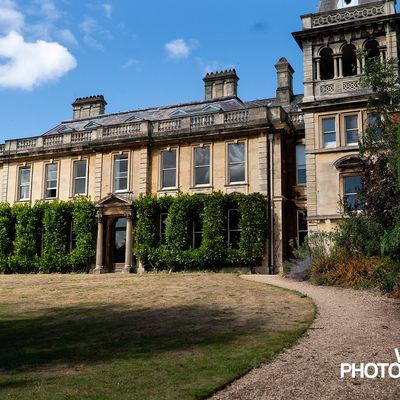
{"x": 88, "y": 335}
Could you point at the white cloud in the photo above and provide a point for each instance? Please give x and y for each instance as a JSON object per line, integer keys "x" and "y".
{"x": 66, "y": 36}
{"x": 48, "y": 9}
{"x": 10, "y": 17}
{"x": 92, "y": 32}
{"x": 130, "y": 63}
{"x": 107, "y": 10}
{"x": 178, "y": 49}
{"x": 213, "y": 66}
{"x": 29, "y": 65}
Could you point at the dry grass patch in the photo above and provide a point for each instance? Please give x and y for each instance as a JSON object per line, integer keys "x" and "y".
{"x": 178, "y": 336}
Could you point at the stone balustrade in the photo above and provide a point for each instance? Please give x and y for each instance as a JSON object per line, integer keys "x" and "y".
{"x": 140, "y": 129}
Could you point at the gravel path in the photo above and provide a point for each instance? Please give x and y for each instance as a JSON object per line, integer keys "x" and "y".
{"x": 351, "y": 327}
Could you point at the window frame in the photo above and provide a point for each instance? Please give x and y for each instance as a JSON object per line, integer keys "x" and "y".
{"x": 46, "y": 165}
{"x": 115, "y": 156}
{"x": 301, "y": 165}
{"x": 344, "y": 195}
{"x": 161, "y": 169}
{"x": 18, "y": 192}
{"x": 233, "y": 230}
{"x": 322, "y": 133}
{"x": 73, "y": 185}
{"x": 194, "y": 166}
{"x": 299, "y": 211}
{"x": 244, "y": 162}
{"x": 344, "y": 136}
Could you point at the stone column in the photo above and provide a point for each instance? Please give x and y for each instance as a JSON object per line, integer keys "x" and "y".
{"x": 129, "y": 243}
{"x": 340, "y": 60}
{"x": 335, "y": 66}
{"x": 318, "y": 68}
{"x": 99, "y": 251}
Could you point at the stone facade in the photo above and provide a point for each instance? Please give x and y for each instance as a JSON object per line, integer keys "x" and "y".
{"x": 254, "y": 146}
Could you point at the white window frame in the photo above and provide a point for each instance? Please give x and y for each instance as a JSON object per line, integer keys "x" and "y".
{"x": 202, "y": 146}
{"x": 323, "y": 144}
{"x": 74, "y": 178}
{"x": 176, "y": 150}
{"x": 20, "y": 168}
{"x": 357, "y": 116}
{"x": 343, "y": 186}
{"x": 244, "y": 162}
{"x": 115, "y": 156}
{"x": 46, "y": 165}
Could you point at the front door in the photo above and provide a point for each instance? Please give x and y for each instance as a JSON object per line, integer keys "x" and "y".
{"x": 119, "y": 241}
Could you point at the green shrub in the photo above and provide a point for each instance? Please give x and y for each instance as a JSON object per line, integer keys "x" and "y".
{"x": 27, "y": 243}
{"x": 387, "y": 274}
{"x": 390, "y": 245}
{"x": 360, "y": 235}
{"x": 6, "y": 236}
{"x": 56, "y": 224}
{"x": 214, "y": 251}
{"x": 84, "y": 227}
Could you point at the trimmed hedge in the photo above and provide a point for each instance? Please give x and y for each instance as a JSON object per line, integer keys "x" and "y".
{"x": 214, "y": 252}
{"x": 37, "y": 238}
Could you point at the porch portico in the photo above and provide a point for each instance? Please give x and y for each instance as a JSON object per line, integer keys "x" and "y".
{"x": 114, "y": 252}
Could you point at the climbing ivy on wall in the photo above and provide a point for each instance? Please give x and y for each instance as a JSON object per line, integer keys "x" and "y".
{"x": 214, "y": 252}
{"x": 6, "y": 236}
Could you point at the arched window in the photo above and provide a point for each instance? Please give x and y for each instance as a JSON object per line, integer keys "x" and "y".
{"x": 326, "y": 64}
{"x": 349, "y": 60}
{"x": 372, "y": 49}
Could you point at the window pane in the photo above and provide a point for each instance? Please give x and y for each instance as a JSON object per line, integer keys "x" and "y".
{"x": 80, "y": 186}
{"x": 301, "y": 176}
{"x": 51, "y": 172}
{"x": 300, "y": 154}
{"x": 351, "y": 123}
{"x": 169, "y": 178}
{"x": 234, "y": 239}
{"x": 121, "y": 184}
{"x": 201, "y": 156}
{"x": 80, "y": 169}
{"x": 236, "y": 173}
{"x": 329, "y": 132}
{"x": 302, "y": 221}
{"x": 352, "y": 184}
{"x": 236, "y": 152}
{"x": 121, "y": 173}
{"x": 169, "y": 159}
{"x": 51, "y": 181}
{"x": 24, "y": 192}
{"x": 328, "y": 125}
{"x": 51, "y": 193}
{"x": 202, "y": 176}
{"x": 234, "y": 219}
{"x": 25, "y": 176}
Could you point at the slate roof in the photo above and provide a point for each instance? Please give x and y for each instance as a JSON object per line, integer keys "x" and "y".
{"x": 167, "y": 112}
{"x": 331, "y": 5}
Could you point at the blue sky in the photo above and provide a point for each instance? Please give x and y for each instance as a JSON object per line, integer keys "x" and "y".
{"x": 136, "y": 53}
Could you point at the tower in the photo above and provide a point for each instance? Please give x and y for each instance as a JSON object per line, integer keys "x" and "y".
{"x": 334, "y": 104}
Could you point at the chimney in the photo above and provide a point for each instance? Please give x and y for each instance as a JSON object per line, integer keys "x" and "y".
{"x": 222, "y": 84}
{"x": 284, "y": 92}
{"x": 86, "y": 107}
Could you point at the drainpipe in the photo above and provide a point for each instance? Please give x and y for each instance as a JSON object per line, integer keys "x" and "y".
{"x": 270, "y": 173}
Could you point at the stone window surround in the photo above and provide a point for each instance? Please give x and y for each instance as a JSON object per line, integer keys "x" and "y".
{"x": 193, "y": 174}
{"x": 160, "y": 169}
{"x": 72, "y": 180}
{"x": 246, "y": 158}
{"x": 340, "y": 128}
{"x": 337, "y": 56}
{"x": 298, "y": 211}
{"x": 116, "y": 154}
{"x": 17, "y": 197}
{"x": 44, "y": 179}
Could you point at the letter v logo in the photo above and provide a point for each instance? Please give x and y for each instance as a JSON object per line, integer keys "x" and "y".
{"x": 397, "y": 351}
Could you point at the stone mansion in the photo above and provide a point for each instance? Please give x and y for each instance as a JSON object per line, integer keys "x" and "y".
{"x": 300, "y": 151}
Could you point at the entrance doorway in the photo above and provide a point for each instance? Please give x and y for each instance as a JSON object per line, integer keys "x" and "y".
{"x": 119, "y": 241}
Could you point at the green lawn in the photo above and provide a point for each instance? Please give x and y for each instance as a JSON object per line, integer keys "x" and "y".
{"x": 147, "y": 337}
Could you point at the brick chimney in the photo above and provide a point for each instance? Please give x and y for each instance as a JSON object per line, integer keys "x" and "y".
{"x": 86, "y": 107}
{"x": 284, "y": 92}
{"x": 222, "y": 84}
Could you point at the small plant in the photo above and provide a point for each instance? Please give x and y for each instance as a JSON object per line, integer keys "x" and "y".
{"x": 387, "y": 274}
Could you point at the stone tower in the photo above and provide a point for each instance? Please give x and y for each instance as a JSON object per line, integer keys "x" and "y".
{"x": 334, "y": 105}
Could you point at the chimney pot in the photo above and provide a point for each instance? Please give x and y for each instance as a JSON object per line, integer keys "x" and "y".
{"x": 221, "y": 84}
{"x": 86, "y": 107}
{"x": 285, "y": 71}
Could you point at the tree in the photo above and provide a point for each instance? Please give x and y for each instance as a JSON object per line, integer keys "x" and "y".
{"x": 379, "y": 147}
